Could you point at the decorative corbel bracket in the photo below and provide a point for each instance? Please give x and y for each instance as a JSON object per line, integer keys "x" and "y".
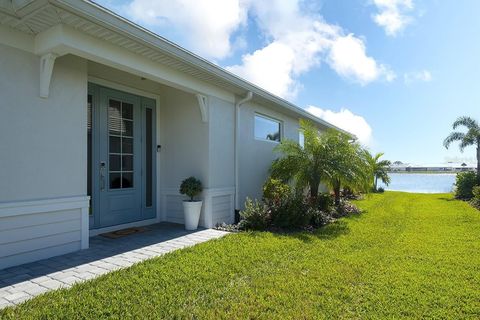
{"x": 203, "y": 105}
{"x": 46, "y": 68}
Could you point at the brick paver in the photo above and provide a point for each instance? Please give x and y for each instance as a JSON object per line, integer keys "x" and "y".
{"x": 18, "y": 284}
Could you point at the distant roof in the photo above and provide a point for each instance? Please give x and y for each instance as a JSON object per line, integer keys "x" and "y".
{"x": 436, "y": 165}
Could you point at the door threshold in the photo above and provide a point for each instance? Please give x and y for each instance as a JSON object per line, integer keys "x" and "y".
{"x": 141, "y": 223}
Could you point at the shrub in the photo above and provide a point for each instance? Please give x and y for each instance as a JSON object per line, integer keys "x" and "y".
{"x": 346, "y": 208}
{"x": 349, "y": 193}
{"x": 275, "y": 192}
{"x": 191, "y": 187}
{"x": 318, "y": 217}
{"x": 324, "y": 202}
{"x": 380, "y": 190}
{"x": 292, "y": 213}
{"x": 464, "y": 184}
{"x": 475, "y": 202}
{"x": 256, "y": 216}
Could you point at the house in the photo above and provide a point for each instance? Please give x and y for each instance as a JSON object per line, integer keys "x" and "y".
{"x": 101, "y": 120}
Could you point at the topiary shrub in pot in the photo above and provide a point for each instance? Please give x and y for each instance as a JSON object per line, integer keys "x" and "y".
{"x": 191, "y": 187}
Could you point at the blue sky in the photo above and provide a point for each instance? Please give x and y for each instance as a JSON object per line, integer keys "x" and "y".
{"x": 395, "y": 72}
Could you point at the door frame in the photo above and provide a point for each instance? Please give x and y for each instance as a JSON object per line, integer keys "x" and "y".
{"x": 156, "y": 163}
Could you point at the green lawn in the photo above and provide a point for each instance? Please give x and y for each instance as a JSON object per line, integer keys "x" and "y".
{"x": 406, "y": 256}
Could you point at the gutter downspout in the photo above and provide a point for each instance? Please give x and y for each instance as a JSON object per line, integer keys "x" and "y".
{"x": 247, "y": 98}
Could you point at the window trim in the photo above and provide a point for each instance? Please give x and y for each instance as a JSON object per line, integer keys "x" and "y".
{"x": 280, "y": 123}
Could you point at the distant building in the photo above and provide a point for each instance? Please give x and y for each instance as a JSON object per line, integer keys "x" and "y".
{"x": 435, "y": 167}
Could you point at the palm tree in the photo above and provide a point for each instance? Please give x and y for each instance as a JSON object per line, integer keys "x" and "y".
{"x": 331, "y": 158}
{"x": 349, "y": 167}
{"x": 305, "y": 167}
{"x": 379, "y": 168}
{"x": 470, "y": 138}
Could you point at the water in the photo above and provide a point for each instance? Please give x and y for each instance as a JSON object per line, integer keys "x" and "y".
{"x": 420, "y": 183}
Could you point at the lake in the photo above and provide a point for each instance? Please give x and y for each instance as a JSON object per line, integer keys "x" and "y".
{"x": 420, "y": 183}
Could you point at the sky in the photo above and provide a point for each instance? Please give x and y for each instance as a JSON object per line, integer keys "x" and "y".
{"x": 397, "y": 73}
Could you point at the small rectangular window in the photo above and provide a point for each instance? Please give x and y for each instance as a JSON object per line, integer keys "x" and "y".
{"x": 301, "y": 138}
{"x": 267, "y": 128}
{"x": 89, "y": 148}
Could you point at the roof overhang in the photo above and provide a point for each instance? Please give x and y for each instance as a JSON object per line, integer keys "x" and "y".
{"x": 40, "y": 18}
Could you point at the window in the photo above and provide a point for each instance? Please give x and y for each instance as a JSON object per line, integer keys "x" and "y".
{"x": 120, "y": 127}
{"x": 89, "y": 149}
{"x": 301, "y": 138}
{"x": 267, "y": 128}
{"x": 149, "y": 157}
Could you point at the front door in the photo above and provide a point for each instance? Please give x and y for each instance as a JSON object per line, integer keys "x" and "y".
{"x": 123, "y": 157}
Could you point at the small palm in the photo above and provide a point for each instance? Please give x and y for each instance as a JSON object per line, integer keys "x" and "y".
{"x": 379, "y": 168}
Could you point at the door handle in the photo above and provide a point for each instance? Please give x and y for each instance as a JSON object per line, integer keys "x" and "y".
{"x": 102, "y": 175}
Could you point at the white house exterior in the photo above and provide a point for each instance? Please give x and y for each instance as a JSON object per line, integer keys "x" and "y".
{"x": 101, "y": 120}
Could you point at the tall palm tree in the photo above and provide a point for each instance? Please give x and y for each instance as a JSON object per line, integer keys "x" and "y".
{"x": 349, "y": 167}
{"x": 470, "y": 138}
{"x": 379, "y": 168}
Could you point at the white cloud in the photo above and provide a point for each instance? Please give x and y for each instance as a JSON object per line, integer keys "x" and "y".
{"x": 349, "y": 59}
{"x": 296, "y": 44}
{"x": 347, "y": 121}
{"x": 295, "y": 40}
{"x": 417, "y": 76}
{"x": 392, "y": 15}
{"x": 270, "y": 68}
{"x": 207, "y": 25}
{"x": 299, "y": 42}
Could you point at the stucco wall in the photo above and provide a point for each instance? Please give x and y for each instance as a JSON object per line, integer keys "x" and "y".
{"x": 184, "y": 153}
{"x": 256, "y": 156}
{"x": 43, "y": 141}
{"x": 184, "y": 139}
{"x": 43, "y": 156}
{"x": 222, "y": 143}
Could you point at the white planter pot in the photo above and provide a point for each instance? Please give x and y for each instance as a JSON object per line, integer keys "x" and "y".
{"x": 191, "y": 212}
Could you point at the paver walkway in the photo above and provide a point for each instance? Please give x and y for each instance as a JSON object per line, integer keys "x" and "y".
{"x": 21, "y": 283}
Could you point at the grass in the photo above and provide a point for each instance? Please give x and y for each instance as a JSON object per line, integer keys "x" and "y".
{"x": 406, "y": 256}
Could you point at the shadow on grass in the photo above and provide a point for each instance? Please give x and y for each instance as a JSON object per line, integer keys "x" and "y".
{"x": 327, "y": 232}
{"x": 356, "y": 216}
{"x": 447, "y": 199}
{"x": 333, "y": 230}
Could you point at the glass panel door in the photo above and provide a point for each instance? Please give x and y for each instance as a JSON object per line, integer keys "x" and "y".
{"x": 121, "y": 157}
{"x": 120, "y": 154}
